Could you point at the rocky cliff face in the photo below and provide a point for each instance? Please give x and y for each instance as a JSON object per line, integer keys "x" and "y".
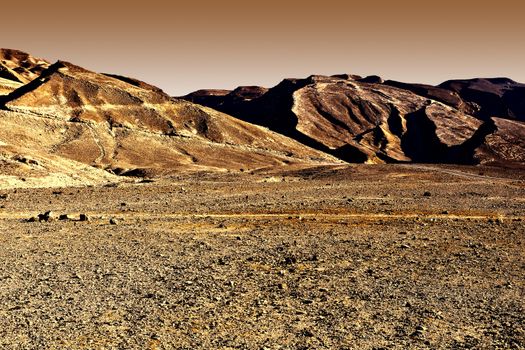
{"x": 370, "y": 120}
{"x": 60, "y": 116}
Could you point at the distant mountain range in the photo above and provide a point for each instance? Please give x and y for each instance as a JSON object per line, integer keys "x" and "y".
{"x": 370, "y": 120}
{"x": 62, "y": 124}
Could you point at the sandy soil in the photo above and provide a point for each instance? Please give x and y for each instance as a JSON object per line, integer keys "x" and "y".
{"x": 350, "y": 257}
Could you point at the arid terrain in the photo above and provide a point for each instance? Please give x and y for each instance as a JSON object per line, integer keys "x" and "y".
{"x": 247, "y": 219}
{"x": 335, "y": 257}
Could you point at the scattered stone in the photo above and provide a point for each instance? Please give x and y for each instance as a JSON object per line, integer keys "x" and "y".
{"x": 113, "y": 221}
{"x": 419, "y": 331}
{"x": 25, "y": 160}
{"x": 83, "y": 217}
{"x": 64, "y": 217}
{"x": 76, "y": 276}
{"x": 307, "y": 333}
{"x": 4, "y": 196}
{"x": 427, "y": 194}
{"x": 46, "y": 217}
{"x": 290, "y": 260}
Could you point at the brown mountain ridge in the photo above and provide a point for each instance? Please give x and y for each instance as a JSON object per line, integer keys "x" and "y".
{"x": 370, "y": 120}
{"x": 71, "y": 124}
{"x": 63, "y": 124}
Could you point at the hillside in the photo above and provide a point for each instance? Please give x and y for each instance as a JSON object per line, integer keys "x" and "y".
{"x": 68, "y": 117}
{"x": 374, "y": 121}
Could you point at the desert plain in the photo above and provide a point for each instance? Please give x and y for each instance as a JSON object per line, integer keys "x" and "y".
{"x": 327, "y": 212}
{"x": 327, "y": 257}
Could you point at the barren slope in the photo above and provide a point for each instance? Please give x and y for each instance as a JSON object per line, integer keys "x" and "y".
{"x": 132, "y": 128}
{"x": 18, "y": 68}
{"x": 368, "y": 120}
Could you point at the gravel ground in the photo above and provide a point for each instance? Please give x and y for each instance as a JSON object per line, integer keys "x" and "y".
{"x": 356, "y": 257}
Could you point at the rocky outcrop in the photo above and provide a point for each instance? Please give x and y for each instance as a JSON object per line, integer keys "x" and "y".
{"x": 505, "y": 143}
{"x": 367, "y": 120}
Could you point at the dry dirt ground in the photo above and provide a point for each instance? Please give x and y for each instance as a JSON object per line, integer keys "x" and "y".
{"x": 349, "y": 257}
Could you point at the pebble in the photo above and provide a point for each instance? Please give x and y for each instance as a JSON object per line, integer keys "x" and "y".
{"x": 63, "y": 217}
{"x": 47, "y": 216}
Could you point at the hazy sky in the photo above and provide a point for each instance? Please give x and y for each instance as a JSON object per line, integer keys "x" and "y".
{"x": 182, "y": 47}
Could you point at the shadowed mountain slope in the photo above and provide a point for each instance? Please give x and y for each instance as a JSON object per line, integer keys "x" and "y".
{"x": 63, "y": 124}
{"x": 367, "y": 120}
{"x": 496, "y": 97}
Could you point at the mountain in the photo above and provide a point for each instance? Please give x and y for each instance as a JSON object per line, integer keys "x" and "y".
{"x": 496, "y": 97}
{"x": 374, "y": 121}
{"x": 18, "y": 68}
{"x": 61, "y": 122}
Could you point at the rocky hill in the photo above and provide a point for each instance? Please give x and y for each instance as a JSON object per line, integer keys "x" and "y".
{"x": 60, "y": 123}
{"x": 370, "y": 120}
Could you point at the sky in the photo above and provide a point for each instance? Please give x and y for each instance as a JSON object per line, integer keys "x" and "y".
{"x": 184, "y": 46}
